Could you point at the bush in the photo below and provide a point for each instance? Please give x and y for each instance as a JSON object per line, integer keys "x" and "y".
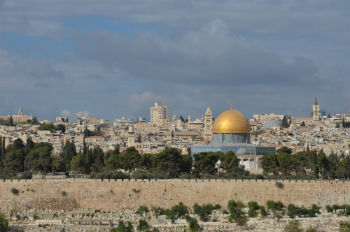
{"x": 192, "y": 224}
{"x": 344, "y": 226}
{"x": 253, "y": 207}
{"x": 204, "y": 211}
{"x": 236, "y": 213}
{"x": 4, "y": 223}
{"x": 311, "y": 229}
{"x": 279, "y": 185}
{"x": 293, "y": 226}
{"x": 263, "y": 212}
{"x": 109, "y": 174}
{"x": 143, "y": 225}
{"x": 272, "y": 205}
{"x": 329, "y": 209}
{"x": 142, "y": 210}
{"x": 14, "y": 191}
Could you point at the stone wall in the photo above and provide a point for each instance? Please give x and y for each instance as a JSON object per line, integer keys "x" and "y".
{"x": 130, "y": 194}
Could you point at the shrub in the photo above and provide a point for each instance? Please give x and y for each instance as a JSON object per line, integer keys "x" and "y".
{"x": 14, "y": 191}
{"x": 329, "y": 209}
{"x": 64, "y": 193}
{"x": 263, "y": 212}
{"x": 311, "y": 229}
{"x": 293, "y": 226}
{"x": 344, "y": 226}
{"x": 279, "y": 185}
{"x": 240, "y": 204}
{"x": 253, "y": 207}
{"x": 236, "y": 213}
{"x": 203, "y": 211}
{"x": 143, "y": 225}
{"x": 142, "y": 210}
{"x": 4, "y": 223}
{"x": 272, "y": 205}
{"x": 192, "y": 224}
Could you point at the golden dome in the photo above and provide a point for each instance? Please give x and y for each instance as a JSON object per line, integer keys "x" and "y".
{"x": 231, "y": 121}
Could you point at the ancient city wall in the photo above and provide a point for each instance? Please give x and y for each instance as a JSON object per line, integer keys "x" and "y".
{"x": 130, "y": 194}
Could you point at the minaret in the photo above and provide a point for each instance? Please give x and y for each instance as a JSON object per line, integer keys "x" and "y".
{"x": 316, "y": 111}
{"x": 188, "y": 122}
{"x": 20, "y": 113}
{"x": 208, "y": 124}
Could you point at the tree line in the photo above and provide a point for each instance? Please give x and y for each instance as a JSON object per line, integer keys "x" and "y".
{"x": 20, "y": 160}
{"x": 311, "y": 164}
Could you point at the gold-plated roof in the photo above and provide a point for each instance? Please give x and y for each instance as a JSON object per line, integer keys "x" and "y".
{"x": 231, "y": 121}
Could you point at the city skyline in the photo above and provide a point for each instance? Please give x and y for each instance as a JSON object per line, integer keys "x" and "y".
{"x": 115, "y": 59}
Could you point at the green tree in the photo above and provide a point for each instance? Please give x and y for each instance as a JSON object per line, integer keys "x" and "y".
{"x": 170, "y": 161}
{"x": 15, "y": 155}
{"x": 204, "y": 163}
{"x": 61, "y": 128}
{"x": 129, "y": 159}
{"x": 4, "y": 223}
{"x": 230, "y": 163}
{"x": 78, "y": 164}
{"x": 11, "y": 121}
{"x": 39, "y": 158}
{"x": 29, "y": 145}
{"x": 68, "y": 152}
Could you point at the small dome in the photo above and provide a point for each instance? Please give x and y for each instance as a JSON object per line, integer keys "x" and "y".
{"x": 231, "y": 121}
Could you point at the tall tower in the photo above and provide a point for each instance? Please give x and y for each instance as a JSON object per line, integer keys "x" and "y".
{"x": 316, "y": 111}
{"x": 159, "y": 114}
{"x": 208, "y": 124}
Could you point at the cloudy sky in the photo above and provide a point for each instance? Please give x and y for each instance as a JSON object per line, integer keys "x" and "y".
{"x": 113, "y": 58}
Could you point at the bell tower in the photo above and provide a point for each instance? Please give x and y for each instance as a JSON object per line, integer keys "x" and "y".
{"x": 208, "y": 124}
{"x": 316, "y": 111}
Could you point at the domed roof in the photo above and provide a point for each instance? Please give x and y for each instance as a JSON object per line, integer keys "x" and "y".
{"x": 231, "y": 121}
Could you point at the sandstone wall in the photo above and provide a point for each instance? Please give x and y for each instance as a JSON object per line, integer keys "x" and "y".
{"x": 130, "y": 194}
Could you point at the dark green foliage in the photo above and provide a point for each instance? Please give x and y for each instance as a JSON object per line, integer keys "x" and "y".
{"x": 52, "y": 128}
{"x": 344, "y": 226}
{"x": 15, "y": 155}
{"x": 311, "y": 229}
{"x": 172, "y": 162}
{"x": 279, "y": 185}
{"x": 236, "y": 213}
{"x": 89, "y": 133}
{"x": 293, "y": 211}
{"x": 39, "y": 158}
{"x": 143, "y": 225}
{"x": 175, "y": 212}
{"x": 11, "y": 121}
{"x": 4, "y": 223}
{"x": 203, "y": 211}
{"x": 192, "y": 224}
{"x": 293, "y": 226}
{"x": 14, "y": 191}
{"x": 253, "y": 207}
{"x": 275, "y": 205}
{"x": 340, "y": 209}
{"x": 284, "y": 163}
{"x": 122, "y": 228}
{"x": 263, "y": 212}
{"x": 69, "y": 151}
{"x": 109, "y": 174}
{"x": 142, "y": 210}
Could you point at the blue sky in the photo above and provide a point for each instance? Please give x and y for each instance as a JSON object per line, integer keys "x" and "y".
{"x": 115, "y": 58}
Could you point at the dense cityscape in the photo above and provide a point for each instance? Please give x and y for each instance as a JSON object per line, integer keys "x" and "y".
{"x": 175, "y": 116}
